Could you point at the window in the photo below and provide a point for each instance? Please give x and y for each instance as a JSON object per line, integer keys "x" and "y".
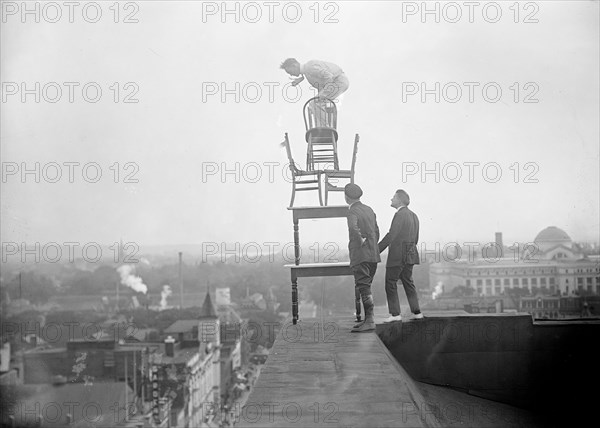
{"x": 579, "y": 280}
{"x": 525, "y": 281}
{"x": 468, "y": 282}
{"x": 588, "y": 280}
{"x": 479, "y": 283}
{"x": 497, "y": 281}
{"x": 506, "y": 281}
{"x": 515, "y": 281}
{"x": 543, "y": 282}
{"x": 551, "y": 280}
{"x": 488, "y": 282}
{"x": 534, "y": 281}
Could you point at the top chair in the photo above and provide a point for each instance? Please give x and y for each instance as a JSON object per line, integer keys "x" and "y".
{"x": 320, "y": 120}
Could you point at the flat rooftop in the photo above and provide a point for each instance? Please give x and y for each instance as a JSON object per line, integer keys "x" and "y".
{"x": 320, "y": 374}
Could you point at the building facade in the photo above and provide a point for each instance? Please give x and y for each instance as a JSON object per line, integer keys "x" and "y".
{"x": 551, "y": 265}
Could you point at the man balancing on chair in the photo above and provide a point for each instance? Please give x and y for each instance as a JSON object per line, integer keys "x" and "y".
{"x": 364, "y": 252}
{"x": 327, "y": 78}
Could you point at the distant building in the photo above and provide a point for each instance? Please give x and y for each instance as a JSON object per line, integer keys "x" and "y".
{"x": 63, "y": 404}
{"x": 555, "y": 307}
{"x": 551, "y": 265}
{"x": 229, "y": 326}
{"x": 11, "y": 366}
{"x": 254, "y": 302}
{"x": 232, "y": 330}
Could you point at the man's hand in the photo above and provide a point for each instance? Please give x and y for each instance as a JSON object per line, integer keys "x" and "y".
{"x": 297, "y": 81}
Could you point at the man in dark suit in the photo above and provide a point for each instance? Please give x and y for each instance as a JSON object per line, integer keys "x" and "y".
{"x": 402, "y": 241}
{"x": 364, "y": 253}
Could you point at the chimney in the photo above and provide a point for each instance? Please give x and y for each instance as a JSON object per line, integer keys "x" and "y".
{"x": 499, "y": 243}
{"x": 180, "y": 280}
{"x": 170, "y": 346}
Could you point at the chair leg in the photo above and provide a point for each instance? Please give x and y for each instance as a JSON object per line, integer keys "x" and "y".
{"x": 326, "y": 190}
{"x": 293, "y": 192}
{"x": 321, "y": 199}
{"x": 309, "y": 155}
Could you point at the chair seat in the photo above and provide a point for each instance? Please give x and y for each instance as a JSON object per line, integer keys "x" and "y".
{"x": 321, "y": 134}
{"x": 305, "y": 173}
{"x": 335, "y": 173}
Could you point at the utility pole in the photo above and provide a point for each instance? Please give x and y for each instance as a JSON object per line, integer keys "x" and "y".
{"x": 126, "y": 386}
{"x": 180, "y": 280}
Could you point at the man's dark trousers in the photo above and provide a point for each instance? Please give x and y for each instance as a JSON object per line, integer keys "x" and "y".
{"x": 363, "y": 277}
{"x": 404, "y": 274}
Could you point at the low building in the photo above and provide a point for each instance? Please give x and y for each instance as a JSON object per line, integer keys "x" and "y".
{"x": 64, "y": 404}
{"x": 551, "y": 265}
{"x": 556, "y": 307}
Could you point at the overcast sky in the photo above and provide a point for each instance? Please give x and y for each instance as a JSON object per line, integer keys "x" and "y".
{"x": 180, "y": 129}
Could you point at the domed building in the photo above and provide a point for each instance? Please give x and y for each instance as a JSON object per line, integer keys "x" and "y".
{"x": 555, "y": 243}
{"x": 551, "y": 265}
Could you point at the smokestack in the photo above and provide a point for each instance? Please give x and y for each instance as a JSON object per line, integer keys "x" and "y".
{"x": 170, "y": 346}
{"x": 180, "y": 280}
{"x": 500, "y": 244}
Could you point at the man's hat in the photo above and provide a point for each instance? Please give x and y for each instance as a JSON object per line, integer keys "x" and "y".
{"x": 353, "y": 191}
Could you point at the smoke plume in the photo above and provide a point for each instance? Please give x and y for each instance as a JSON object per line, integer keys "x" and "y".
{"x": 166, "y": 292}
{"x": 438, "y": 290}
{"x": 130, "y": 280}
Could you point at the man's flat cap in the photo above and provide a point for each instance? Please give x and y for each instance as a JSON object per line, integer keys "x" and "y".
{"x": 353, "y": 191}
